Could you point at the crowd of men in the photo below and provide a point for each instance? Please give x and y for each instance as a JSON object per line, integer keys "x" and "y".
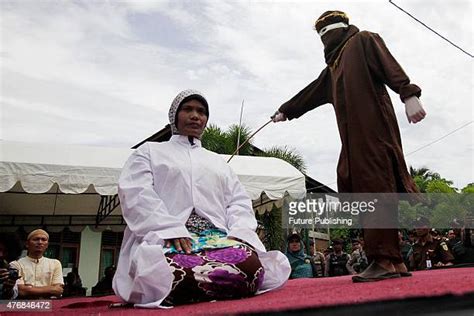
{"x": 422, "y": 248}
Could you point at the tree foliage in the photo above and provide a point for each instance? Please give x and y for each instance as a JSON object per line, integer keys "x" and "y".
{"x": 468, "y": 188}
{"x": 289, "y": 155}
{"x": 225, "y": 142}
{"x": 443, "y": 202}
{"x": 428, "y": 181}
{"x": 273, "y": 229}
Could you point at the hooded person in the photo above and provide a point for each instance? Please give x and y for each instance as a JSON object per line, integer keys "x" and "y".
{"x": 359, "y": 67}
{"x": 301, "y": 264}
{"x": 190, "y": 232}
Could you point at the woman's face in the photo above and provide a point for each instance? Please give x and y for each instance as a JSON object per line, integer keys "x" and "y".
{"x": 192, "y": 119}
{"x": 294, "y": 245}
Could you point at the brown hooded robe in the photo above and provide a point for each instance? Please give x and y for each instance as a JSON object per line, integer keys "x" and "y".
{"x": 371, "y": 158}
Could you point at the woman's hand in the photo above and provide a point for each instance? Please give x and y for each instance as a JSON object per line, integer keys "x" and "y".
{"x": 180, "y": 244}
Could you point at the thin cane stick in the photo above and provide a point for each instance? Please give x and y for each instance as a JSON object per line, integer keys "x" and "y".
{"x": 247, "y": 140}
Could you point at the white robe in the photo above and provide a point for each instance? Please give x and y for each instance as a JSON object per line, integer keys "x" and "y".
{"x": 160, "y": 184}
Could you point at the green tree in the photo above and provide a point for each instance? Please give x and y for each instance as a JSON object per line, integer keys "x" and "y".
{"x": 271, "y": 221}
{"x": 225, "y": 142}
{"x": 439, "y": 186}
{"x": 423, "y": 173}
{"x": 442, "y": 204}
{"x": 214, "y": 139}
{"x": 234, "y": 133}
{"x": 429, "y": 181}
{"x": 468, "y": 188}
{"x": 289, "y": 155}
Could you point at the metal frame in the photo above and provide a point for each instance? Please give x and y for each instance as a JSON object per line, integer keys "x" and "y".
{"x": 107, "y": 205}
{"x": 69, "y": 220}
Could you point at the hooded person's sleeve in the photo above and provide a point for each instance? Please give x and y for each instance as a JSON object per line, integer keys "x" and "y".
{"x": 313, "y": 95}
{"x": 386, "y": 68}
{"x": 144, "y": 211}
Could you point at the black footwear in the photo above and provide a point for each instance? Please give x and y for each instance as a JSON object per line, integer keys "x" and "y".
{"x": 375, "y": 272}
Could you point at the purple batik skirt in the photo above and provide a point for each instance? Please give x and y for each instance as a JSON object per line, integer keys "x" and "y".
{"x": 214, "y": 274}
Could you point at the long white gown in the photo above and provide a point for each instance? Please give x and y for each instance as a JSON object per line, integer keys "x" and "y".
{"x": 160, "y": 185}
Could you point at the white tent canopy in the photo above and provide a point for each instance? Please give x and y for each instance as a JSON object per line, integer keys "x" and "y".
{"x": 84, "y": 173}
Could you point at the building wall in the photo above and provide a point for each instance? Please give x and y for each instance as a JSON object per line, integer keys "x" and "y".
{"x": 322, "y": 240}
{"x": 89, "y": 258}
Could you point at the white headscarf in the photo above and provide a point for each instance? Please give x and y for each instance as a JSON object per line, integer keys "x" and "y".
{"x": 177, "y": 102}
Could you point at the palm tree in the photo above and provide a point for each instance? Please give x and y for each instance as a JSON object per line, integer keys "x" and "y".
{"x": 214, "y": 139}
{"x": 469, "y": 188}
{"x": 422, "y": 176}
{"x": 424, "y": 173}
{"x": 289, "y": 155}
{"x": 225, "y": 142}
{"x": 431, "y": 182}
{"x": 237, "y": 136}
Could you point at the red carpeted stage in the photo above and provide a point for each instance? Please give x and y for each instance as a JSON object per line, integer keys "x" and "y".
{"x": 440, "y": 292}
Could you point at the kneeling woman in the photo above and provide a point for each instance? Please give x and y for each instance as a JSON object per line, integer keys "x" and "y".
{"x": 190, "y": 232}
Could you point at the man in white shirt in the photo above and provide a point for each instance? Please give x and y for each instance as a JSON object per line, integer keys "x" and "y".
{"x": 165, "y": 189}
{"x": 40, "y": 277}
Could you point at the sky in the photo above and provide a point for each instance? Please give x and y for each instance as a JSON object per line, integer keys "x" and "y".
{"x": 104, "y": 73}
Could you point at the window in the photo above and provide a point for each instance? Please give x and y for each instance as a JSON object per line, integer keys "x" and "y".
{"x": 111, "y": 243}
{"x": 64, "y": 246}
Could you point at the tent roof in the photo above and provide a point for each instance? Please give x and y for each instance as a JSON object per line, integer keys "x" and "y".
{"x": 72, "y": 169}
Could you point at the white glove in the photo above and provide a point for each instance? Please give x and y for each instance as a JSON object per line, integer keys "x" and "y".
{"x": 414, "y": 109}
{"x": 278, "y": 117}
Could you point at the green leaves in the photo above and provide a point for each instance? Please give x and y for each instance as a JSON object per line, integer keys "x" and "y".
{"x": 226, "y": 142}
{"x": 431, "y": 182}
{"x": 289, "y": 155}
{"x": 271, "y": 221}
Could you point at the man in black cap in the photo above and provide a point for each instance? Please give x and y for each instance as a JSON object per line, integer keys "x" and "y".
{"x": 359, "y": 66}
{"x": 336, "y": 264}
{"x": 429, "y": 252}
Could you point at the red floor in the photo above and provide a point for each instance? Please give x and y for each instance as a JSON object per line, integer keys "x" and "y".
{"x": 299, "y": 294}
